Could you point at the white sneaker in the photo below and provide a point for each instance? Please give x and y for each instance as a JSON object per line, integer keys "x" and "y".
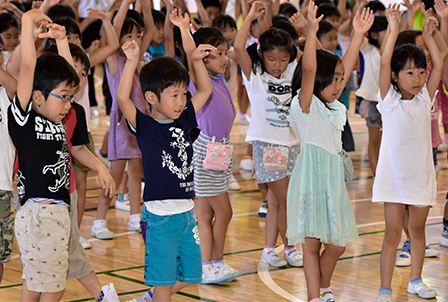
{"x": 210, "y": 275}
{"x": 110, "y": 294}
{"x": 270, "y": 257}
{"x": 100, "y": 230}
{"x": 233, "y": 184}
{"x": 443, "y": 241}
{"x": 403, "y": 259}
{"x": 134, "y": 225}
{"x": 263, "y": 210}
{"x": 384, "y": 298}
{"x": 243, "y": 119}
{"x": 422, "y": 290}
{"x": 123, "y": 205}
{"x": 85, "y": 244}
{"x": 327, "y": 297}
{"x": 431, "y": 252}
{"x": 294, "y": 257}
{"x": 247, "y": 164}
{"x": 227, "y": 269}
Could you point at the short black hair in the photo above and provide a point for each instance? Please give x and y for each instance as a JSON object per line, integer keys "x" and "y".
{"x": 325, "y": 27}
{"x": 404, "y": 53}
{"x": 61, "y": 10}
{"x": 287, "y": 9}
{"x": 158, "y": 16}
{"x": 136, "y": 16}
{"x": 78, "y": 54}
{"x": 407, "y": 37}
{"x": 128, "y": 26}
{"x": 222, "y": 21}
{"x": 273, "y": 38}
{"x": 375, "y": 6}
{"x": 1, "y": 41}
{"x": 286, "y": 26}
{"x": 71, "y": 27}
{"x": 326, "y": 65}
{"x": 52, "y": 70}
{"x": 8, "y": 20}
{"x": 209, "y": 35}
{"x": 379, "y": 24}
{"x": 328, "y": 10}
{"x": 214, "y": 3}
{"x": 161, "y": 73}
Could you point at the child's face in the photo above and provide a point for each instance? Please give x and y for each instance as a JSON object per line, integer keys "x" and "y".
{"x": 159, "y": 35}
{"x": 331, "y": 92}
{"x": 171, "y": 103}
{"x": 212, "y": 12}
{"x": 10, "y": 38}
{"x": 335, "y": 20}
{"x": 216, "y": 61}
{"x": 82, "y": 73}
{"x": 410, "y": 80}
{"x": 229, "y": 33}
{"x": 135, "y": 34}
{"x": 74, "y": 38}
{"x": 276, "y": 61}
{"x": 379, "y": 36}
{"x": 53, "y": 108}
{"x": 329, "y": 40}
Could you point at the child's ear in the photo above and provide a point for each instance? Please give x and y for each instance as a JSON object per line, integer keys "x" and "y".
{"x": 38, "y": 97}
{"x": 374, "y": 35}
{"x": 394, "y": 76}
{"x": 150, "y": 97}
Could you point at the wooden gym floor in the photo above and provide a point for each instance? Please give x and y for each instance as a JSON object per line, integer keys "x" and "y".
{"x": 357, "y": 274}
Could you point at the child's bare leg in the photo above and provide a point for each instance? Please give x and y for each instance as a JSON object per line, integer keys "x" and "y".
{"x": 328, "y": 260}
{"x": 105, "y": 145}
{"x": 135, "y": 174}
{"x": 162, "y": 293}
{"x": 204, "y": 214}
{"x": 271, "y": 233}
{"x": 27, "y": 295}
{"x": 394, "y": 215}
{"x": 51, "y": 297}
{"x": 222, "y": 209}
{"x": 418, "y": 217}
{"x": 123, "y": 185}
{"x": 263, "y": 189}
{"x": 116, "y": 171}
{"x": 81, "y": 189}
{"x": 179, "y": 286}
{"x": 311, "y": 266}
{"x": 92, "y": 284}
{"x": 374, "y": 147}
{"x": 279, "y": 189}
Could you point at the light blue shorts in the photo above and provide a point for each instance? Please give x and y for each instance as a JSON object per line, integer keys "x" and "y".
{"x": 263, "y": 175}
{"x": 172, "y": 248}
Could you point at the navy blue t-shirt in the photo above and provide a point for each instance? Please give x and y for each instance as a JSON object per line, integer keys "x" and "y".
{"x": 167, "y": 155}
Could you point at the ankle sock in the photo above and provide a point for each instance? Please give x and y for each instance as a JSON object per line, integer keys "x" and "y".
{"x": 134, "y": 217}
{"x": 324, "y": 289}
{"x": 147, "y": 297}
{"x": 120, "y": 197}
{"x": 269, "y": 247}
{"x": 98, "y": 222}
{"x": 315, "y": 300}
{"x": 286, "y": 248}
{"x": 206, "y": 263}
{"x": 101, "y": 297}
{"x": 416, "y": 281}
{"x": 218, "y": 261}
{"x": 385, "y": 291}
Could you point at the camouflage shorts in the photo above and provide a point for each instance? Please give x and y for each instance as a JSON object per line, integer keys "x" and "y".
{"x": 6, "y": 222}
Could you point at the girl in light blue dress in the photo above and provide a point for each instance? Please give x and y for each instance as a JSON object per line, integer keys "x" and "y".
{"x": 318, "y": 206}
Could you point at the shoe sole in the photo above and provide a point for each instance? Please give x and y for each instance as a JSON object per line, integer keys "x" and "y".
{"x": 413, "y": 292}
{"x": 443, "y": 241}
{"x": 300, "y": 265}
{"x": 281, "y": 265}
{"x": 236, "y": 275}
{"x": 225, "y": 279}
{"x": 402, "y": 264}
{"x": 101, "y": 238}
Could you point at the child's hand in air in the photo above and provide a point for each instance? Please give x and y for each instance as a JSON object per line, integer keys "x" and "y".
{"x": 363, "y": 22}
{"x": 426, "y": 12}
{"x": 97, "y": 14}
{"x": 131, "y": 50}
{"x": 179, "y": 19}
{"x": 298, "y": 21}
{"x": 146, "y": 4}
{"x": 202, "y": 51}
{"x": 393, "y": 17}
{"x": 313, "y": 22}
{"x": 55, "y": 31}
{"x": 257, "y": 10}
{"x": 429, "y": 26}
{"x": 168, "y": 3}
{"x": 37, "y": 17}
{"x": 441, "y": 8}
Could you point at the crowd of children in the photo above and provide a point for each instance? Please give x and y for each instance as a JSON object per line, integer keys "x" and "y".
{"x": 172, "y": 110}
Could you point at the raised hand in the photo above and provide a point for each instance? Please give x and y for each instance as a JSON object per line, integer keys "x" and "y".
{"x": 429, "y": 26}
{"x": 131, "y": 50}
{"x": 55, "y": 31}
{"x": 36, "y": 4}
{"x": 363, "y": 22}
{"x": 441, "y": 8}
{"x": 258, "y": 8}
{"x": 393, "y": 17}
{"x": 97, "y": 14}
{"x": 202, "y": 51}
{"x": 298, "y": 21}
{"x": 426, "y": 12}
{"x": 313, "y": 22}
{"x": 37, "y": 16}
{"x": 179, "y": 19}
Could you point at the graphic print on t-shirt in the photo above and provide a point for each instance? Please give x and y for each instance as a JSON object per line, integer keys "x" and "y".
{"x": 182, "y": 144}
{"x": 280, "y": 96}
{"x": 60, "y": 168}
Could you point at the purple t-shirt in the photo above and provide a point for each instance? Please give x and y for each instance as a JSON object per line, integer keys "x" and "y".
{"x": 217, "y": 115}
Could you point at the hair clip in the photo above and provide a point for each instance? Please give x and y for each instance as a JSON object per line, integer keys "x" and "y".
{"x": 258, "y": 42}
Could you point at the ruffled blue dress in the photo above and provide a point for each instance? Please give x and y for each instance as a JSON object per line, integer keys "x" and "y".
{"x": 318, "y": 204}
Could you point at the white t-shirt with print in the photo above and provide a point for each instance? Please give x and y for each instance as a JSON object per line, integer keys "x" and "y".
{"x": 6, "y": 147}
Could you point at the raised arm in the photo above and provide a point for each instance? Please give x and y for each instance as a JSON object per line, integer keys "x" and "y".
{"x": 206, "y": 22}
{"x": 169, "y": 35}
{"x": 28, "y": 54}
{"x": 9, "y": 82}
{"x": 394, "y": 19}
{"x": 110, "y": 42}
{"x": 239, "y": 45}
{"x": 57, "y": 32}
{"x": 127, "y": 107}
{"x": 361, "y": 24}
{"x": 437, "y": 62}
{"x": 150, "y": 27}
{"x": 309, "y": 64}
{"x": 205, "y": 89}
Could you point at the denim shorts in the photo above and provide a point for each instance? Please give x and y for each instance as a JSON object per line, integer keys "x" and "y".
{"x": 172, "y": 248}
{"x": 263, "y": 175}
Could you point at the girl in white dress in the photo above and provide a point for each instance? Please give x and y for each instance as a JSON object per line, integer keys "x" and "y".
{"x": 319, "y": 211}
{"x": 405, "y": 176}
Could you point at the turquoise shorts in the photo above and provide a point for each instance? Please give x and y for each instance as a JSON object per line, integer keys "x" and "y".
{"x": 172, "y": 248}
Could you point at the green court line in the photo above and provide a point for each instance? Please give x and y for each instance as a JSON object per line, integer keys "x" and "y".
{"x": 377, "y": 232}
